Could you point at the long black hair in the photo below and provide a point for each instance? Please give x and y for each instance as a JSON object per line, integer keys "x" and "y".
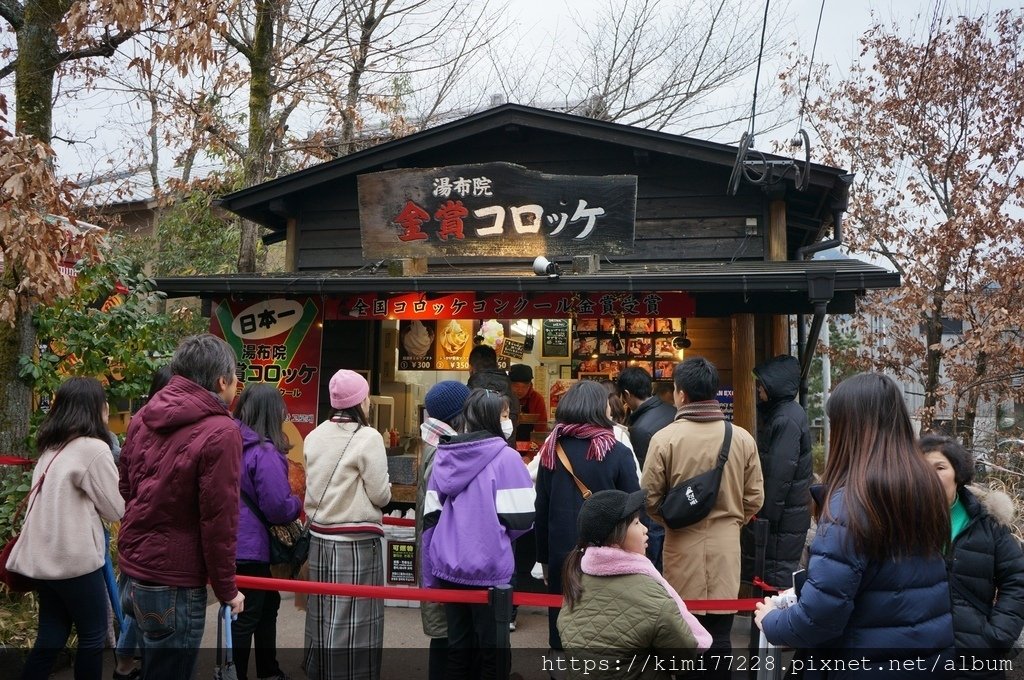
{"x": 895, "y": 503}
{"x": 482, "y": 411}
{"x": 77, "y": 411}
{"x": 262, "y": 408}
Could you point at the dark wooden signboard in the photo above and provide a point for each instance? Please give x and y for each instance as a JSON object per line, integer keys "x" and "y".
{"x": 494, "y": 209}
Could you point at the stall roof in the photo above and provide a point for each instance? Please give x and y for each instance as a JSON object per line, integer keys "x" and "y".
{"x": 268, "y": 203}
{"x": 700, "y": 277}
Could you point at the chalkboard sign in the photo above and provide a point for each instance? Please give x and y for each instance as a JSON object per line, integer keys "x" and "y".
{"x": 555, "y": 339}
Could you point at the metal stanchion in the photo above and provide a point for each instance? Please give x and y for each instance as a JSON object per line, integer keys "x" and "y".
{"x": 499, "y": 600}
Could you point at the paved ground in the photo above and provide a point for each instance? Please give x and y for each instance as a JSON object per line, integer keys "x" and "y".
{"x": 405, "y": 654}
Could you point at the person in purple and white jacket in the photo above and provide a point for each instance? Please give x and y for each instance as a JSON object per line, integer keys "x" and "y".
{"x": 479, "y": 499}
{"x": 260, "y": 414}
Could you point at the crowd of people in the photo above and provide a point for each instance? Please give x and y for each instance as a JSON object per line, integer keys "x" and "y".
{"x": 905, "y": 557}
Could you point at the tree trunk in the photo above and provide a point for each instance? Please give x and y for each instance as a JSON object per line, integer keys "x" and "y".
{"x": 33, "y": 89}
{"x": 260, "y": 135}
{"x": 973, "y": 397}
{"x": 15, "y": 394}
{"x": 34, "y": 73}
{"x": 932, "y": 361}
{"x": 355, "y": 76}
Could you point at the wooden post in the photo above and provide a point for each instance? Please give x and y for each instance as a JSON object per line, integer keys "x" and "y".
{"x": 744, "y": 399}
{"x": 779, "y": 342}
{"x": 290, "y": 248}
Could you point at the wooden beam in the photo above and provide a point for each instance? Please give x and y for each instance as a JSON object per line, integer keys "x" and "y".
{"x": 777, "y": 252}
{"x": 744, "y": 398}
{"x": 291, "y": 246}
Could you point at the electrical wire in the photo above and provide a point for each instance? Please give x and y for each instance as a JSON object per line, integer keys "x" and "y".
{"x": 757, "y": 75}
{"x": 810, "y": 66}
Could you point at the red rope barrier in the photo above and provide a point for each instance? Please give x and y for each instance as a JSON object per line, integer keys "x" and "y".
{"x": 399, "y": 521}
{"x": 16, "y": 460}
{"x": 442, "y": 595}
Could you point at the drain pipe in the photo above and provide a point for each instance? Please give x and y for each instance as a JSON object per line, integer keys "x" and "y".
{"x": 820, "y": 289}
{"x": 840, "y": 202}
{"x": 805, "y": 345}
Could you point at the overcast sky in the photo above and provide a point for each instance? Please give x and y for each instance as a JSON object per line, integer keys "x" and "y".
{"x": 553, "y": 22}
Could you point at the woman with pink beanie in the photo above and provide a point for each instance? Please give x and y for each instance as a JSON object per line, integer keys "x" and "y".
{"x": 346, "y": 487}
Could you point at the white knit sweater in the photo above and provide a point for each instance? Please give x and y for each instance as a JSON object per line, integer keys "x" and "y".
{"x": 62, "y": 535}
{"x": 360, "y": 486}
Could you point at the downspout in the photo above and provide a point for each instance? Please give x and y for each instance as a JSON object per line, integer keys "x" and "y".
{"x": 840, "y": 202}
{"x": 807, "y": 343}
{"x": 820, "y": 289}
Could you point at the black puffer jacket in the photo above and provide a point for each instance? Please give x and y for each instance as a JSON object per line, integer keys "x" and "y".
{"x": 784, "y": 445}
{"x": 649, "y": 417}
{"x": 986, "y": 567}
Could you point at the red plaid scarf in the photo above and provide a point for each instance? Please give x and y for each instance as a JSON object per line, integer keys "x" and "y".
{"x": 602, "y": 439}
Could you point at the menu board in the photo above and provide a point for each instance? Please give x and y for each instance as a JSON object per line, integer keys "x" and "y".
{"x": 555, "y": 339}
{"x": 416, "y": 345}
{"x": 401, "y": 563}
{"x": 454, "y": 343}
{"x": 445, "y": 345}
{"x": 608, "y": 345}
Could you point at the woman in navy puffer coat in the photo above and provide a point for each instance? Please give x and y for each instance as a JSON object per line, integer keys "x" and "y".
{"x": 876, "y": 585}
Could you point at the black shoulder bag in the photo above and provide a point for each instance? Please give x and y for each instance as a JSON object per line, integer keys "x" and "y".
{"x": 690, "y": 501}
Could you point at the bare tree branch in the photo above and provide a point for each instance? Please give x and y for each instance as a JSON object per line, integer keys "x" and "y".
{"x": 13, "y": 12}
{"x": 106, "y": 47}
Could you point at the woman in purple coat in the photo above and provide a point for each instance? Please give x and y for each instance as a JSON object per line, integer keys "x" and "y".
{"x": 260, "y": 413}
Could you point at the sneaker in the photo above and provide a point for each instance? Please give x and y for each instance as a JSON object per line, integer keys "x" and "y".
{"x": 511, "y": 626}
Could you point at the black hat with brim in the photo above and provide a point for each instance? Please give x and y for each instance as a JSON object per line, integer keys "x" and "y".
{"x": 603, "y": 511}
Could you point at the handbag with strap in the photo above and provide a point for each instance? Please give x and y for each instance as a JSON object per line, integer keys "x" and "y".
{"x": 289, "y": 543}
{"x": 15, "y": 582}
{"x": 568, "y": 467}
{"x": 691, "y": 500}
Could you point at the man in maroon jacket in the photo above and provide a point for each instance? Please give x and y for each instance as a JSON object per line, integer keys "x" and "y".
{"x": 179, "y": 478}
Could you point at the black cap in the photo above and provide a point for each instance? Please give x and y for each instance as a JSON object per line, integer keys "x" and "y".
{"x": 603, "y": 511}
{"x": 520, "y": 373}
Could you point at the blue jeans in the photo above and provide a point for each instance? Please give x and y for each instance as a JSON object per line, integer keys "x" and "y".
{"x": 81, "y": 601}
{"x": 128, "y": 639}
{"x": 170, "y": 621}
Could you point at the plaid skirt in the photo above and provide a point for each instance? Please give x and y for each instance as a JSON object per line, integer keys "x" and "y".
{"x": 344, "y": 635}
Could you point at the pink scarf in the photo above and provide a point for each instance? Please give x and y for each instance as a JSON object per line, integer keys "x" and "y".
{"x": 602, "y": 439}
{"x": 608, "y": 561}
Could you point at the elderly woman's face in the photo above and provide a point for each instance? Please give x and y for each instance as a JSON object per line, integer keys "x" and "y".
{"x": 945, "y": 472}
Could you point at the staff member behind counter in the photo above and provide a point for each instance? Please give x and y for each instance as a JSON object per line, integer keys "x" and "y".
{"x": 530, "y": 402}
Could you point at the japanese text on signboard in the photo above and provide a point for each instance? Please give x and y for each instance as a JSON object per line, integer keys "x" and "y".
{"x": 494, "y": 209}
{"x": 515, "y": 306}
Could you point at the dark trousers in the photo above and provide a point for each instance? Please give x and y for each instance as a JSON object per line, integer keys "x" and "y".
{"x": 720, "y": 627}
{"x": 79, "y": 601}
{"x": 257, "y": 623}
{"x": 437, "y": 660}
{"x": 472, "y": 639}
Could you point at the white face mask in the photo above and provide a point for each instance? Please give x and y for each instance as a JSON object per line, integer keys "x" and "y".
{"x": 506, "y": 427}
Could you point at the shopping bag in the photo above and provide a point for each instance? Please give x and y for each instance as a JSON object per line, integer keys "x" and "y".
{"x": 225, "y": 669}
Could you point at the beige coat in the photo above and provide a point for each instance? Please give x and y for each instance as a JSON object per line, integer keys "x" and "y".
{"x": 347, "y": 468}
{"x": 702, "y": 561}
{"x": 62, "y": 534}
